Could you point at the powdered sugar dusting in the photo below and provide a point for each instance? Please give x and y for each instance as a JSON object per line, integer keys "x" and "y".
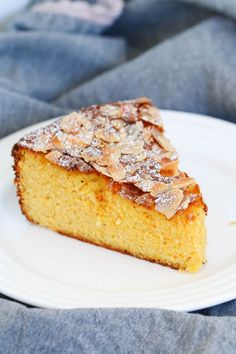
{"x": 122, "y": 140}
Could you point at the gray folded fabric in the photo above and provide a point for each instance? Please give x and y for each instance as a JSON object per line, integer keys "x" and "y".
{"x": 108, "y": 331}
{"x": 181, "y": 54}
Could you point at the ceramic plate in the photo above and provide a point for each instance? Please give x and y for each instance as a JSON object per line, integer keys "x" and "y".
{"x": 43, "y": 268}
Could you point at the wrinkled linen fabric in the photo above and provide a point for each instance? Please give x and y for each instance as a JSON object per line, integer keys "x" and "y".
{"x": 179, "y": 53}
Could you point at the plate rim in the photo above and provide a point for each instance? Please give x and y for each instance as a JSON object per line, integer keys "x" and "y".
{"x": 26, "y": 299}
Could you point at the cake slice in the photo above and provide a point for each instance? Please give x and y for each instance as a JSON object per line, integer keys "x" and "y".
{"x": 108, "y": 175}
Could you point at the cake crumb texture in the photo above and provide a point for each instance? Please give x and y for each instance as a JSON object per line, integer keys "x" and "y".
{"x": 84, "y": 206}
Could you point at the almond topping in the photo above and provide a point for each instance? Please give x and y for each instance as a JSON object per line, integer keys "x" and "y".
{"x": 158, "y": 188}
{"x": 117, "y": 172}
{"x": 147, "y": 135}
{"x": 110, "y": 137}
{"x": 162, "y": 140}
{"x": 168, "y": 155}
{"x": 71, "y": 144}
{"x": 151, "y": 115}
{"x": 72, "y": 122}
{"x": 110, "y": 110}
{"x": 183, "y": 183}
{"x": 170, "y": 169}
{"x": 145, "y": 199}
{"x": 101, "y": 169}
{"x": 132, "y": 148}
{"x": 57, "y": 143}
{"x": 123, "y": 141}
{"x": 84, "y": 138}
{"x": 145, "y": 185}
{"x": 54, "y": 156}
{"x": 43, "y": 144}
{"x": 110, "y": 154}
{"x": 118, "y": 123}
{"x": 167, "y": 203}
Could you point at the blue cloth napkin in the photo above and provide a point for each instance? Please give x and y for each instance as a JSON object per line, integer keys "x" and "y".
{"x": 179, "y": 53}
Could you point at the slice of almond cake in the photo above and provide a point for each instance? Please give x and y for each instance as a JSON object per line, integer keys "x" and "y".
{"x": 108, "y": 175}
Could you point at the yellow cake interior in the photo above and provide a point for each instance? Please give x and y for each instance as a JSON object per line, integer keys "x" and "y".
{"x": 82, "y": 205}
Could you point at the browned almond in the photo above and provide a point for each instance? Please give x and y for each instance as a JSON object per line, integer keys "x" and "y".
{"x": 101, "y": 169}
{"x": 107, "y": 136}
{"x": 53, "y": 156}
{"x": 147, "y": 135}
{"x": 68, "y": 141}
{"x": 162, "y": 140}
{"x": 168, "y": 202}
{"x": 117, "y": 171}
{"x": 118, "y": 123}
{"x": 73, "y": 122}
{"x": 145, "y": 199}
{"x": 110, "y": 110}
{"x": 84, "y": 138}
{"x": 110, "y": 154}
{"x": 91, "y": 154}
{"x": 151, "y": 115}
{"x": 145, "y": 185}
{"x": 57, "y": 143}
{"x": 131, "y": 148}
{"x": 183, "y": 182}
{"x": 170, "y": 169}
{"x": 158, "y": 188}
{"x": 43, "y": 144}
{"x": 168, "y": 155}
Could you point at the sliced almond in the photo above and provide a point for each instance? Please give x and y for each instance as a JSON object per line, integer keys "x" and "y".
{"x": 103, "y": 170}
{"x": 43, "y": 143}
{"x": 117, "y": 172}
{"x": 84, "y": 138}
{"x": 118, "y": 123}
{"x": 151, "y": 114}
{"x": 183, "y": 182}
{"x": 110, "y": 137}
{"x": 158, "y": 188}
{"x": 144, "y": 199}
{"x": 91, "y": 154}
{"x": 147, "y": 135}
{"x": 162, "y": 140}
{"x": 129, "y": 112}
{"x": 110, "y": 110}
{"x": 110, "y": 154}
{"x": 73, "y": 122}
{"x": 145, "y": 185}
{"x": 57, "y": 143}
{"x": 168, "y": 155}
{"x": 168, "y": 202}
{"x": 134, "y": 132}
{"x": 170, "y": 169}
{"x": 76, "y": 140}
{"x": 187, "y": 200}
{"x": 69, "y": 143}
{"x": 132, "y": 148}
{"x": 53, "y": 156}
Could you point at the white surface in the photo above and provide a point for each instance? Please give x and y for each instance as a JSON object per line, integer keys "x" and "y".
{"x": 11, "y": 7}
{"x": 43, "y": 268}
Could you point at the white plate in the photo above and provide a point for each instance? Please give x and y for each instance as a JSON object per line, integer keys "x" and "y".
{"x": 43, "y": 268}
